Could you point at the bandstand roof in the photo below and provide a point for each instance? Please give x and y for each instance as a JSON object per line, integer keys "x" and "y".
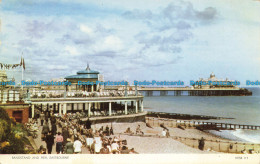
{"x": 84, "y": 74}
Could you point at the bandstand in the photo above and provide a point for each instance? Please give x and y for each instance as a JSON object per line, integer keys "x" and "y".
{"x": 89, "y": 100}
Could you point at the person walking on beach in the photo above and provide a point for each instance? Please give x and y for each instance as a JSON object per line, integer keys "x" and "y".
{"x": 45, "y": 130}
{"x": 111, "y": 131}
{"x": 42, "y": 118}
{"x": 59, "y": 140}
{"x": 65, "y": 134}
{"x": 49, "y": 142}
{"x": 88, "y": 124}
{"x": 201, "y": 143}
{"x": 53, "y": 129}
{"x": 163, "y": 133}
{"x": 69, "y": 147}
{"x": 37, "y": 112}
{"x": 77, "y": 146}
{"x": 107, "y": 130}
{"x": 167, "y": 133}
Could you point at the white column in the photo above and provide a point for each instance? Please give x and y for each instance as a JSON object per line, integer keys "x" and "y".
{"x": 125, "y": 107}
{"x": 89, "y": 107}
{"x": 97, "y": 87}
{"x": 64, "y": 108}
{"x": 60, "y": 109}
{"x": 96, "y": 105}
{"x": 136, "y": 106}
{"x": 92, "y": 88}
{"x": 142, "y": 105}
{"x": 32, "y": 110}
{"x": 110, "y": 110}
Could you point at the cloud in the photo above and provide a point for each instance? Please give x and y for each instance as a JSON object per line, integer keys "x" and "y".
{"x": 167, "y": 30}
{"x": 138, "y": 14}
{"x": 72, "y": 50}
{"x": 37, "y": 29}
{"x": 175, "y": 13}
{"x": 112, "y": 42}
{"x": 209, "y": 13}
{"x": 86, "y": 29}
{"x": 27, "y": 43}
{"x": 57, "y": 41}
{"x": 108, "y": 54}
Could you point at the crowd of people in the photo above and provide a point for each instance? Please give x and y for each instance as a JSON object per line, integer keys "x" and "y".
{"x": 70, "y": 135}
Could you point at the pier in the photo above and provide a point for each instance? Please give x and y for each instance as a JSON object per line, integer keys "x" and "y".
{"x": 189, "y": 91}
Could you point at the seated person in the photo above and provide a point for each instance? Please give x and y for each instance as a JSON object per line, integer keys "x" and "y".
{"x": 114, "y": 147}
{"x": 105, "y": 150}
{"x": 128, "y": 130}
{"x": 125, "y": 150}
{"x": 138, "y": 130}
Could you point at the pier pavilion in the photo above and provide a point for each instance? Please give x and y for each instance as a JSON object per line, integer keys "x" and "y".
{"x": 90, "y": 100}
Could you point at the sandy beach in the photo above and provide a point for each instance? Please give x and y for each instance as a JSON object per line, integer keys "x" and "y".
{"x": 157, "y": 144}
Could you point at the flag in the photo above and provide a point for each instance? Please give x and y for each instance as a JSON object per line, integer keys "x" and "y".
{"x": 23, "y": 64}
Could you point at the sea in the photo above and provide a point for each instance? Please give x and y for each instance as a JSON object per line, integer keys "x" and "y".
{"x": 243, "y": 109}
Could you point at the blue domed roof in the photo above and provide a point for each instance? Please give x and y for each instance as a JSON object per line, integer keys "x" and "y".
{"x": 87, "y": 72}
{"x": 84, "y": 74}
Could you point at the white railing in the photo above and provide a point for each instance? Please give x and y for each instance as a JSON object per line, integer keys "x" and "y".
{"x": 71, "y": 94}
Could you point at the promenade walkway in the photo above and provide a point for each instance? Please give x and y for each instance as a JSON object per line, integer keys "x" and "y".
{"x": 39, "y": 142}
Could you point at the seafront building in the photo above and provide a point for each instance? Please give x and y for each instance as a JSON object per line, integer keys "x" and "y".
{"x": 211, "y": 86}
{"x": 213, "y": 82}
{"x": 92, "y": 101}
{"x": 11, "y": 100}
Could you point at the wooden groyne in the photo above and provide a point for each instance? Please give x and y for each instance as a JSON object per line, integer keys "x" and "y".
{"x": 197, "y": 124}
{"x": 182, "y": 116}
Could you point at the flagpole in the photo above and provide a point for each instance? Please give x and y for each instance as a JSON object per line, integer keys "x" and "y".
{"x": 22, "y": 69}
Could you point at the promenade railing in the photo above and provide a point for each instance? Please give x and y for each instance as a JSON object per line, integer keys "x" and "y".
{"x": 79, "y": 94}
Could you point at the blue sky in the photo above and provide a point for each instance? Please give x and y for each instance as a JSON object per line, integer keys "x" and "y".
{"x": 132, "y": 40}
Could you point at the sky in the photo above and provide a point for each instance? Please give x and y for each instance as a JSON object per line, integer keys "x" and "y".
{"x": 132, "y": 40}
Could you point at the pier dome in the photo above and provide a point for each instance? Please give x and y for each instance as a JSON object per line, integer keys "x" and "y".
{"x": 212, "y": 75}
